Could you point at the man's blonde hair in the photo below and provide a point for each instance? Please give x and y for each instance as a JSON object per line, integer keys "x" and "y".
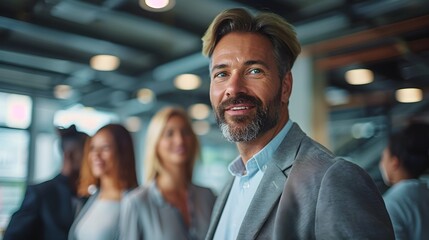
{"x": 280, "y": 33}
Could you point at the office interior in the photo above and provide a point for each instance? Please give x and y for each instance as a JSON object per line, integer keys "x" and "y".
{"x": 363, "y": 72}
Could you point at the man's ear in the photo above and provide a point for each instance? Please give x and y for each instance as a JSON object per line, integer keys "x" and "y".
{"x": 68, "y": 154}
{"x": 395, "y": 163}
{"x": 287, "y": 87}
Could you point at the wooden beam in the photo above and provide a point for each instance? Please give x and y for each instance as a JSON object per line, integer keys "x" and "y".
{"x": 371, "y": 54}
{"x": 359, "y": 38}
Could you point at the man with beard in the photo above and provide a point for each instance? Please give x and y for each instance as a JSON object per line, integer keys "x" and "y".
{"x": 284, "y": 185}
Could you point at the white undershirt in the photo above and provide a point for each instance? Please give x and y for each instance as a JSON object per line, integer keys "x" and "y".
{"x": 100, "y": 222}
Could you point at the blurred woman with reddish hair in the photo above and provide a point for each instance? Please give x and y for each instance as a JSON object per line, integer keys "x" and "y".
{"x": 108, "y": 172}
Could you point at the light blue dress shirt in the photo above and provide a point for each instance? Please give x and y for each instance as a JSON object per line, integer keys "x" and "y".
{"x": 246, "y": 182}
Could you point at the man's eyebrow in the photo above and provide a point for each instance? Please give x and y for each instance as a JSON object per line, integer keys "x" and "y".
{"x": 253, "y": 62}
{"x": 219, "y": 66}
{"x": 247, "y": 63}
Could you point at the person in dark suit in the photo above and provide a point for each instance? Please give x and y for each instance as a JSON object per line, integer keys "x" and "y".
{"x": 49, "y": 208}
{"x": 284, "y": 185}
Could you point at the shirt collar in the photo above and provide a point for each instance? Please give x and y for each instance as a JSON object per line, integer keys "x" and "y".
{"x": 260, "y": 160}
{"x": 157, "y": 196}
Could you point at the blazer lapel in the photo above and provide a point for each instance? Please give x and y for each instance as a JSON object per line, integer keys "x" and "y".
{"x": 271, "y": 186}
{"x": 266, "y": 197}
{"x": 286, "y": 153}
{"x": 218, "y": 208}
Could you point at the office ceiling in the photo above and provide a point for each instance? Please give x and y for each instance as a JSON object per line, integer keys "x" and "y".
{"x": 44, "y": 43}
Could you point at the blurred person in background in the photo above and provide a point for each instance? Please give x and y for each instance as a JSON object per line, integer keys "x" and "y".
{"x": 284, "y": 185}
{"x": 403, "y": 164}
{"x": 49, "y": 208}
{"x": 108, "y": 173}
{"x": 169, "y": 205}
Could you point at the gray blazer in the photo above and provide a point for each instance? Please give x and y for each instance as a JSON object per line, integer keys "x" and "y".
{"x": 145, "y": 214}
{"x": 308, "y": 193}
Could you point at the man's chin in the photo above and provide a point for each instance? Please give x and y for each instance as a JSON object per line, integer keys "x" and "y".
{"x": 238, "y": 120}
{"x": 236, "y": 126}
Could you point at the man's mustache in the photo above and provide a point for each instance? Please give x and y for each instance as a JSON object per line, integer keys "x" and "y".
{"x": 241, "y": 98}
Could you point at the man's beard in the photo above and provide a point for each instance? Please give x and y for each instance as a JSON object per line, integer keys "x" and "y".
{"x": 265, "y": 119}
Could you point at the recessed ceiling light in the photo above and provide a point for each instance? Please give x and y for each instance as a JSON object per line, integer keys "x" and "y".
{"x": 157, "y": 5}
{"x": 199, "y": 111}
{"x": 187, "y": 81}
{"x": 359, "y": 76}
{"x": 63, "y": 91}
{"x": 336, "y": 96}
{"x": 363, "y": 130}
{"x": 409, "y": 95}
{"x": 133, "y": 124}
{"x": 145, "y": 95}
{"x": 201, "y": 127}
{"x": 104, "y": 62}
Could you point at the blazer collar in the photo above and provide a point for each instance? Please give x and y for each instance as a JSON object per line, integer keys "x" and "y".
{"x": 269, "y": 191}
{"x": 286, "y": 153}
{"x": 271, "y": 187}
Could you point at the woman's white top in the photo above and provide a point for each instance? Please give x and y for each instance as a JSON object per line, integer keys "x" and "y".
{"x": 100, "y": 221}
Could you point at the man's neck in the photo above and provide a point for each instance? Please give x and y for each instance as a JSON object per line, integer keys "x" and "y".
{"x": 249, "y": 148}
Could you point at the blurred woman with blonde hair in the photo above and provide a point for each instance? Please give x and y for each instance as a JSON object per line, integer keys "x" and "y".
{"x": 169, "y": 205}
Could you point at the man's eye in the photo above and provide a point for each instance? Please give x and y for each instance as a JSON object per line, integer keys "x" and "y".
{"x": 255, "y": 71}
{"x": 219, "y": 75}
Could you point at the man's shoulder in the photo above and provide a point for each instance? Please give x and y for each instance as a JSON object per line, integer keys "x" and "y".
{"x": 306, "y": 144}
{"x": 313, "y": 155}
{"x": 313, "y": 150}
{"x": 46, "y": 186}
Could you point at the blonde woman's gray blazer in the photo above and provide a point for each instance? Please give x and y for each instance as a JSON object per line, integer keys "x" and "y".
{"x": 145, "y": 214}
